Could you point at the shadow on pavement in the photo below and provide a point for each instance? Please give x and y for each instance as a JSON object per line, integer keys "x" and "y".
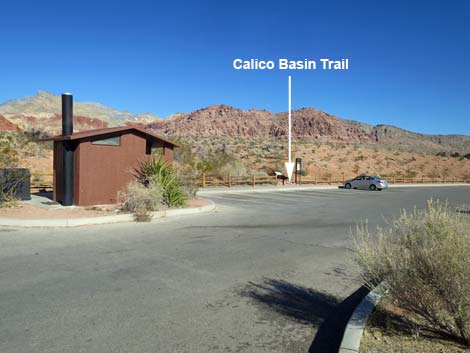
{"x": 330, "y": 333}
{"x": 299, "y": 303}
{"x": 309, "y": 306}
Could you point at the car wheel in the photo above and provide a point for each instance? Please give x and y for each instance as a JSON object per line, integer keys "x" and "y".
{"x": 372, "y": 187}
{"x": 347, "y": 186}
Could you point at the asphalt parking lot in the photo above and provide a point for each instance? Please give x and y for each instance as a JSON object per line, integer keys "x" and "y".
{"x": 265, "y": 272}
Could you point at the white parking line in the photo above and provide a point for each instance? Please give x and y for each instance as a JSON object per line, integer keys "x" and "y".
{"x": 240, "y": 200}
{"x": 277, "y": 197}
{"x": 325, "y": 193}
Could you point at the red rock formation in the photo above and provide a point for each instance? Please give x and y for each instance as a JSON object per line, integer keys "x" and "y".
{"x": 223, "y": 120}
{"x": 6, "y": 125}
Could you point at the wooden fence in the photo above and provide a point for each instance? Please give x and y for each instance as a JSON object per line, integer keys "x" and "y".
{"x": 209, "y": 181}
{"x": 43, "y": 181}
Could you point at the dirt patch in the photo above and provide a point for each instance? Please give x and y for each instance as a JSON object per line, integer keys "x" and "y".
{"x": 390, "y": 330}
{"x": 27, "y": 211}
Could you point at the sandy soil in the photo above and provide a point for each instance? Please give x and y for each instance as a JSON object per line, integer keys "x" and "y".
{"x": 27, "y": 211}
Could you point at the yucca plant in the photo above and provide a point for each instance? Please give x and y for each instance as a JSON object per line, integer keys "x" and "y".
{"x": 157, "y": 170}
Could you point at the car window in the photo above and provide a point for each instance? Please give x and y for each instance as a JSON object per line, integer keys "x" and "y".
{"x": 370, "y": 178}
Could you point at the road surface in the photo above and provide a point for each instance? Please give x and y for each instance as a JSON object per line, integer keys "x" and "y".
{"x": 262, "y": 273}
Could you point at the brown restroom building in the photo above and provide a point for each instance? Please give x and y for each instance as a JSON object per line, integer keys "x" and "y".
{"x": 104, "y": 161}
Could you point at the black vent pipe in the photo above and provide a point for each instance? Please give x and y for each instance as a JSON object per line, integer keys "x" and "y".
{"x": 67, "y": 130}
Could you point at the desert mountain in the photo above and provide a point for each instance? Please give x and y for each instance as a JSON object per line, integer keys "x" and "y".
{"x": 42, "y": 112}
{"x": 223, "y": 120}
{"x": 307, "y": 124}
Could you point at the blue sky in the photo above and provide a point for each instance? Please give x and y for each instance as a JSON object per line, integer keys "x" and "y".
{"x": 409, "y": 60}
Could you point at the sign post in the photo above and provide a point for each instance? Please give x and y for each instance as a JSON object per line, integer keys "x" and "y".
{"x": 298, "y": 170}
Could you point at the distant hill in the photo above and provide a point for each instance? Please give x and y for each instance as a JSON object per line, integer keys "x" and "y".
{"x": 42, "y": 112}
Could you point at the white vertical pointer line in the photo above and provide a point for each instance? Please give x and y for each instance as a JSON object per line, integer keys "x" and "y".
{"x": 290, "y": 118}
{"x": 289, "y": 165}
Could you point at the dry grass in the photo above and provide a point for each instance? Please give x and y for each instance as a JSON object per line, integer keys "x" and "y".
{"x": 141, "y": 200}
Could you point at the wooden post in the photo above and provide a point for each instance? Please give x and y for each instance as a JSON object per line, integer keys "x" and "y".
{"x": 315, "y": 179}
{"x": 330, "y": 181}
{"x": 342, "y": 178}
{"x": 230, "y": 180}
{"x": 203, "y": 182}
{"x": 393, "y": 179}
{"x": 254, "y": 180}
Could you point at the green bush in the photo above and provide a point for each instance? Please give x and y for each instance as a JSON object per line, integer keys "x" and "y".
{"x": 424, "y": 262}
{"x": 163, "y": 174}
{"x": 141, "y": 200}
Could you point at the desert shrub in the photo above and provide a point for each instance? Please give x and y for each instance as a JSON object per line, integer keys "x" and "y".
{"x": 234, "y": 168}
{"x": 141, "y": 200}
{"x": 466, "y": 177}
{"x": 360, "y": 158}
{"x": 9, "y": 155}
{"x": 158, "y": 171}
{"x": 214, "y": 162}
{"x": 411, "y": 173}
{"x": 423, "y": 260}
{"x": 11, "y": 182}
{"x": 186, "y": 180}
{"x": 11, "y": 144}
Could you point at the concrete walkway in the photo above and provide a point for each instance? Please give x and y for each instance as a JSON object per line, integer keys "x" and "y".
{"x": 44, "y": 201}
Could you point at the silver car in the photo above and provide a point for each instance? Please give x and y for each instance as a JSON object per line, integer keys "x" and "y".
{"x": 366, "y": 182}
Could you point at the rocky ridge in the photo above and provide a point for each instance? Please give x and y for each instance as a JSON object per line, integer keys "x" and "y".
{"x": 42, "y": 112}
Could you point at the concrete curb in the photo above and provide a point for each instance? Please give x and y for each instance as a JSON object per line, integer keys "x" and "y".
{"x": 357, "y": 322}
{"x": 76, "y": 222}
{"x": 211, "y": 191}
